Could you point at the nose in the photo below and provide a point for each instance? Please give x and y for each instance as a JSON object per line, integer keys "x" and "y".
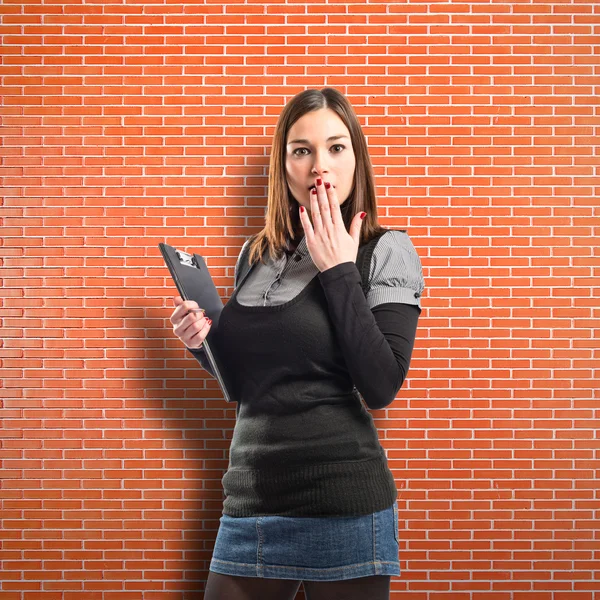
{"x": 320, "y": 164}
{"x": 322, "y": 173}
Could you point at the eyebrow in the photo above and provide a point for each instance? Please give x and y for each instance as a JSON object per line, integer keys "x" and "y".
{"x": 333, "y": 137}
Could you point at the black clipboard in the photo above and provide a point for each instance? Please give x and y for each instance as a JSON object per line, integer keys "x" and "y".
{"x": 194, "y": 282}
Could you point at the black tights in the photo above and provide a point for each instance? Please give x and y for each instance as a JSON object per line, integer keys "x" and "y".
{"x": 228, "y": 587}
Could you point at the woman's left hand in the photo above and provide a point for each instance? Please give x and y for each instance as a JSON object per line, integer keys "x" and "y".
{"x": 328, "y": 241}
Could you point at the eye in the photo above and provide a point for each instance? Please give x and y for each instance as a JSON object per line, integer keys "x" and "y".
{"x": 334, "y": 146}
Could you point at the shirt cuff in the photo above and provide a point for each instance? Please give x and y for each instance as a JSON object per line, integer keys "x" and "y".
{"x": 393, "y": 294}
{"x": 194, "y": 350}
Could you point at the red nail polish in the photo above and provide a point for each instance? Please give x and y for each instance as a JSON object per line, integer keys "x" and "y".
{"x": 319, "y": 181}
{"x": 363, "y": 215}
{"x": 302, "y": 209}
{"x": 314, "y": 192}
{"x": 327, "y": 185}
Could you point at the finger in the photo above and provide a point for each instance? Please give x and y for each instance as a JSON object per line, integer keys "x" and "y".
{"x": 334, "y": 205}
{"x": 182, "y": 310}
{"x": 315, "y": 213}
{"x": 324, "y": 208}
{"x": 178, "y": 301}
{"x": 308, "y": 230}
{"x": 198, "y": 334}
{"x": 189, "y": 325}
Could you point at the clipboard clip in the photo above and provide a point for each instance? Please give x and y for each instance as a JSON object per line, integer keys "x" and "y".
{"x": 187, "y": 259}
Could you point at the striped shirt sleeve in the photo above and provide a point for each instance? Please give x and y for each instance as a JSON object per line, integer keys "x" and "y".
{"x": 396, "y": 274}
{"x": 237, "y": 270}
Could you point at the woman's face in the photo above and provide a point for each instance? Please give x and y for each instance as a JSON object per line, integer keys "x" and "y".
{"x": 315, "y": 156}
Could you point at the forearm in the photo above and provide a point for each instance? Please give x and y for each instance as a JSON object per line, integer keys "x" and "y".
{"x": 377, "y": 344}
{"x": 200, "y": 355}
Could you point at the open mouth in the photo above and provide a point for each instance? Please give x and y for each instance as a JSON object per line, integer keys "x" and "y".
{"x": 312, "y": 187}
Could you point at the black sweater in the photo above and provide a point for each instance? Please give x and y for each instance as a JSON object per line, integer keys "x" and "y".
{"x": 303, "y": 442}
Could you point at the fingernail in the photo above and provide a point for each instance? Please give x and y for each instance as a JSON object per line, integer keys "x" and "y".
{"x": 314, "y": 192}
{"x": 327, "y": 185}
{"x": 363, "y": 215}
{"x": 302, "y": 209}
{"x": 319, "y": 181}
{"x": 209, "y": 321}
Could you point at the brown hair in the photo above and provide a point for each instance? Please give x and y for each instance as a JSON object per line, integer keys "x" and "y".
{"x": 282, "y": 218}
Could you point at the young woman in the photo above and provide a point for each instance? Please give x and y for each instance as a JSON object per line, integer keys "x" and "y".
{"x": 320, "y": 327}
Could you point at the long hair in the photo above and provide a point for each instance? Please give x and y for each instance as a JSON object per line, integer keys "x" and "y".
{"x": 282, "y": 219}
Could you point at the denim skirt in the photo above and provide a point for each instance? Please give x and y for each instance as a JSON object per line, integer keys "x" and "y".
{"x": 308, "y": 548}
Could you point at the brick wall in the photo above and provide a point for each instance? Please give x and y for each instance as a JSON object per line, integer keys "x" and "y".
{"x": 132, "y": 123}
